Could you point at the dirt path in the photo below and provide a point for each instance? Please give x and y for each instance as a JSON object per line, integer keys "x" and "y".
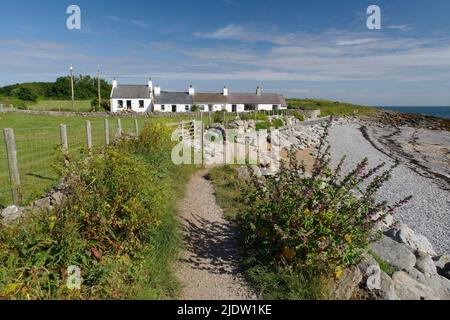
{"x": 208, "y": 268}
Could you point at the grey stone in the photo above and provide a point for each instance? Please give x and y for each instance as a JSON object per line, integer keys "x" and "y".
{"x": 10, "y": 214}
{"x": 415, "y": 242}
{"x": 345, "y": 287}
{"x": 396, "y": 254}
{"x": 42, "y": 204}
{"x": 406, "y": 288}
{"x": 57, "y": 198}
{"x": 387, "y": 290}
{"x": 440, "y": 285}
{"x": 426, "y": 265}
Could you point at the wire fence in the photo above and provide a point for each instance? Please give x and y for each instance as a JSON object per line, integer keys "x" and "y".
{"x": 37, "y": 150}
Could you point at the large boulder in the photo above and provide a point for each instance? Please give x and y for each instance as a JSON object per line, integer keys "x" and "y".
{"x": 414, "y": 241}
{"x": 425, "y": 264}
{"x": 10, "y": 214}
{"x": 345, "y": 287}
{"x": 396, "y": 254}
{"x": 406, "y": 288}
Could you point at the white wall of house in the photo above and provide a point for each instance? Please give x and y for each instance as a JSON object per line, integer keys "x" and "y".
{"x": 168, "y": 107}
{"x": 212, "y": 107}
{"x": 135, "y": 105}
{"x": 239, "y": 107}
{"x": 268, "y": 107}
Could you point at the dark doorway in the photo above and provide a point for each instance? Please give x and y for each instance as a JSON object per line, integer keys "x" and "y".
{"x": 174, "y": 108}
{"x": 234, "y": 108}
{"x": 129, "y": 105}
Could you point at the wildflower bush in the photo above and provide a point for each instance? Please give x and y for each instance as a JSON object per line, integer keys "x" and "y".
{"x": 324, "y": 220}
{"x": 117, "y": 224}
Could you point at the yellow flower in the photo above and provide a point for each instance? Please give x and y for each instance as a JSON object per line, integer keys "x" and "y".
{"x": 338, "y": 272}
{"x": 348, "y": 238}
{"x": 307, "y": 213}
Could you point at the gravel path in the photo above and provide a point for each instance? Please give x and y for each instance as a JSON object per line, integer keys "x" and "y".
{"x": 429, "y": 211}
{"x": 208, "y": 268}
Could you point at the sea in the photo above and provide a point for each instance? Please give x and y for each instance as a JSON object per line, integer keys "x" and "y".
{"x": 441, "y": 112}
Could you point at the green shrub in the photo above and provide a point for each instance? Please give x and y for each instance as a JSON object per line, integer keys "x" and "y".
{"x": 307, "y": 222}
{"x": 262, "y": 125}
{"x": 299, "y": 116}
{"x": 195, "y": 108}
{"x": 277, "y": 123}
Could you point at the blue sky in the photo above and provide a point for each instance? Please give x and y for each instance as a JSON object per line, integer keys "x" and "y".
{"x": 316, "y": 49}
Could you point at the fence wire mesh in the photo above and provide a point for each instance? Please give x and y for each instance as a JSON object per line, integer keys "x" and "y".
{"x": 38, "y": 149}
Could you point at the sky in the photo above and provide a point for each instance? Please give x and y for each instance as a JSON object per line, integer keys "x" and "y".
{"x": 305, "y": 49}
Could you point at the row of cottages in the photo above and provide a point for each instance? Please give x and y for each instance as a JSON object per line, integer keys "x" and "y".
{"x": 141, "y": 98}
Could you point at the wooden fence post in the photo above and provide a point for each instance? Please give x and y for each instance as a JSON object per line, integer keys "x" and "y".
{"x": 88, "y": 135}
{"x": 63, "y": 135}
{"x": 136, "y": 127}
{"x": 119, "y": 127}
{"x": 106, "y": 132}
{"x": 1, "y": 108}
{"x": 13, "y": 166}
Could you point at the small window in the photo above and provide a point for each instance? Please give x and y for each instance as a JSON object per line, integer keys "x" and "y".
{"x": 141, "y": 104}
{"x": 186, "y": 108}
{"x": 120, "y": 104}
{"x": 163, "y": 108}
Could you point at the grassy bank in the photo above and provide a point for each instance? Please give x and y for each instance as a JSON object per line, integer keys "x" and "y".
{"x": 331, "y": 108}
{"x": 117, "y": 224}
{"x": 60, "y": 105}
{"x": 38, "y": 138}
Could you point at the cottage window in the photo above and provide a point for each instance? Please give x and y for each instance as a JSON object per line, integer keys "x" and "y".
{"x": 141, "y": 104}
{"x": 187, "y": 108}
{"x": 163, "y": 108}
{"x": 120, "y": 104}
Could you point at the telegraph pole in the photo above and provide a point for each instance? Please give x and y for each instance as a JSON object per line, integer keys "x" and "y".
{"x": 73, "y": 91}
{"x": 98, "y": 85}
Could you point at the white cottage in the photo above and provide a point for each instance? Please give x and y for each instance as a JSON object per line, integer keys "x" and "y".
{"x": 131, "y": 98}
{"x": 140, "y": 98}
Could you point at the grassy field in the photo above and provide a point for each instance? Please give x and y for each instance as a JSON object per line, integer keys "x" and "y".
{"x": 60, "y": 105}
{"x": 331, "y": 107}
{"x": 38, "y": 139}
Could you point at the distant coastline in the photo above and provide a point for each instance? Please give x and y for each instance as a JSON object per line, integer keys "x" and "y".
{"x": 441, "y": 112}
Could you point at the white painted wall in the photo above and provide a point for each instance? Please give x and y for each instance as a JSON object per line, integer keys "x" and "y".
{"x": 168, "y": 108}
{"x": 267, "y": 107}
{"x": 134, "y": 105}
{"x": 213, "y": 108}
{"x": 239, "y": 107}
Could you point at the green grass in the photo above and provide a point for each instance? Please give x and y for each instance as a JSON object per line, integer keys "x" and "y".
{"x": 60, "y": 105}
{"x": 384, "y": 265}
{"x": 227, "y": 190}
{"x": 37, "y": 139}
{"x": 328, "y": 108}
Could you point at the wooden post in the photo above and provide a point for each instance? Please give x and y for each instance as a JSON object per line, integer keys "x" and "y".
{"x": 119, "y": 127}
{"x": 13, "y": 166}
{"x": 106, "y": 132}
{"x": 136, "y": 127}
{"x": 210, "y": 121}
{"x": 88, "y": 135}
{"x": 202, "y": 144}
{"x": 63, "y": 135}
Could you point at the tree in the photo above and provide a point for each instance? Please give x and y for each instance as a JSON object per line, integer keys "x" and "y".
{"x": 25, "y": 94}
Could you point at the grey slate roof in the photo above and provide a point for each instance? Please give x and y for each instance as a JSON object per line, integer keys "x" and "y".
{"x": 173, "y": 98}
{"x": 253, "y": 98}
{"x": 207, "y": 98}
{"x": 130, "y": 92}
